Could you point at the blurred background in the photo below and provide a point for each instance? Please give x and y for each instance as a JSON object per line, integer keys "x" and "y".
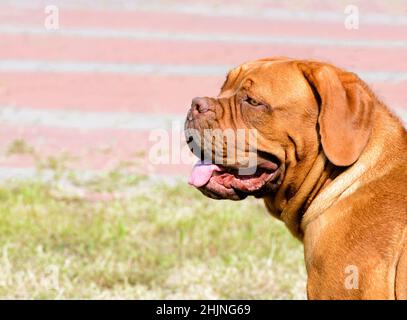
{"x": 86, "y": 210}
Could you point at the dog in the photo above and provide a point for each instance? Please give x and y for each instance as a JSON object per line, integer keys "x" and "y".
{"x": 331, "y": 163}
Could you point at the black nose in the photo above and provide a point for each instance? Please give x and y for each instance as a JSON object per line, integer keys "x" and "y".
{"x": 200, "y": 105}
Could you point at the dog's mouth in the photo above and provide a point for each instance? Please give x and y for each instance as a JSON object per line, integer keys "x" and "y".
{"x": 221, "y": 182}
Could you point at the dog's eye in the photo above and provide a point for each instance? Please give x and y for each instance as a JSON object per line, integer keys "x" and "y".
{"x": 253, "y": 102}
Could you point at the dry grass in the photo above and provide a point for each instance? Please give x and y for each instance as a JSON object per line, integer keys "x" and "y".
{"x": 140, "y": 240}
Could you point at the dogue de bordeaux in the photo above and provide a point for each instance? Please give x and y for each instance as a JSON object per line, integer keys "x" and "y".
{"x": 331, "y": 163}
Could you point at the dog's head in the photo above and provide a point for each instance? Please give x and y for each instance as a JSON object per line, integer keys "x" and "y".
{"x": 268, "y": 123}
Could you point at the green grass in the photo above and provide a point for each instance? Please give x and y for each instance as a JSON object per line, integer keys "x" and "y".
{"x": 148, "y": 240}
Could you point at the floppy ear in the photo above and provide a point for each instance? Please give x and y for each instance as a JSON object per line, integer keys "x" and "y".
{"x": 345, "y": 115}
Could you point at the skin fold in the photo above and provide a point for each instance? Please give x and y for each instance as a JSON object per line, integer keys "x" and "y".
{"x": 336, "y": 162}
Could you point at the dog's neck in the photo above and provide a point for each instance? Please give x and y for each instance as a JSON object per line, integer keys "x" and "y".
{"x": 319, "y": 176}
{"x": 373, "y": 160}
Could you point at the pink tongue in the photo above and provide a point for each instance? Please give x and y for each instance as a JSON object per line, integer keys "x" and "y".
{"x": 201, "y": 173}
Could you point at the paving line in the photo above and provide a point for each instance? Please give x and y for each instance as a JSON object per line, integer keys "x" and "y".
{"x": 295, "y": 13}
{"x": 203, "y": 37}
{"x": 156, "y": 69}
{"x": 85, "y": 120}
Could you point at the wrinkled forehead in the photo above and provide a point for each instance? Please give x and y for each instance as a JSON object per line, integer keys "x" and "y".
{"x": 277, "y": 79}
{"x": 254, "y": 71}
